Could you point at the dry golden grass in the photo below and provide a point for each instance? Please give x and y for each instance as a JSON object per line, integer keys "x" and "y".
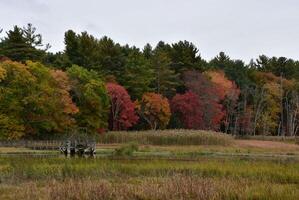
{"x": 175, "y": 188}
{"x": 267, "y": 144}
{"x": 167, "y": 137}
{"x": 46, "y": 178}
{"x": 13, "y": 149}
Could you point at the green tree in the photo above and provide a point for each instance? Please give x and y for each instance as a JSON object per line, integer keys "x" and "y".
{"x": 57, "y": 60}
{"x": 90, "y": 95}
{"x": 137, "y": 75}
{"x": 102, "y": 55}
{"x": 21, "y": 44}
{"x": 72, "y": 45}
{"x": 184, "y": 56}
{"x": 280, "y": 66}
{"x": 165, "y": 79}
{"x": 147, "y": 51}
{"x": 235, "y": 70}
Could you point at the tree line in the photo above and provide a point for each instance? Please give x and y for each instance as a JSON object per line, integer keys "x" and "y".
{"x": 102, "y": 85}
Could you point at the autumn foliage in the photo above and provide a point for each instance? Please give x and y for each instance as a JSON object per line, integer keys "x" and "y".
{"x": 225, "y": 87}
{"x": 98, "y": 84}
{"x": 155, "y": 110}
{"x": 2, "y": 73}
{"x": 210, "y": 96}
{"x": 63, "y": 90}
{"x": 122, "y": 110}
{"x": 228, "y": 93}
{"x": 34, "y": 99}
{"x": 189, "y": 109}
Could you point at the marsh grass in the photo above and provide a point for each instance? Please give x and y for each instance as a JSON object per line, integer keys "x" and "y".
{"x": 22, "y": 169}
{"x": 174, "y": 187}
{"x": 86, "y": 178}
{"x": 167, "y": 137}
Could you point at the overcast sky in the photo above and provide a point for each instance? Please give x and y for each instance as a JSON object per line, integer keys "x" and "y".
{"x": 242, "y": 28}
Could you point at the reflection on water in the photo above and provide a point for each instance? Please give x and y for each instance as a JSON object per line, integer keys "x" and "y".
{"x": 44, "y": 155}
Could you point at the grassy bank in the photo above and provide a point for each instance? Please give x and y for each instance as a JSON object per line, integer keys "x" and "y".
{"x": 167, "y": 137}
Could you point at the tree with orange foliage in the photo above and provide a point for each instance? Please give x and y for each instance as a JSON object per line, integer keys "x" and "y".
{"x": 122, "y": 109}
{"x": 65, "y": 106}
{"x": 155, "y": 110}
{"x": 229, "y": 92}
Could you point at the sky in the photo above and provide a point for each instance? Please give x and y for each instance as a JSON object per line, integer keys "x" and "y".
{"x": 243, "y": 29}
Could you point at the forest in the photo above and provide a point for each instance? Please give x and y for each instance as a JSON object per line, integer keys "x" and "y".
{"x": 102, "y": 85}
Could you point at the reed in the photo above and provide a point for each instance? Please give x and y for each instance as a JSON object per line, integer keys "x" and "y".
{"x": 176, "y": 187}
{"x": 167, "y": 137}
{"x": 18, "y": 169}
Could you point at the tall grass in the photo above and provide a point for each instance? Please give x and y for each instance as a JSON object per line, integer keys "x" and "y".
{"x": 24, "y": 169}
{"x": 175, "y": 188}
{"x": 85, "y": 178}
{"x": 167, "y": 137}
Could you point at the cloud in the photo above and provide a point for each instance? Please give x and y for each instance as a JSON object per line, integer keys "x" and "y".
{"x": 243, "y": 29}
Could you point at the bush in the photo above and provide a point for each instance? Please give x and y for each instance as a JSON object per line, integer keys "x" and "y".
{"x": 127, "y": 150}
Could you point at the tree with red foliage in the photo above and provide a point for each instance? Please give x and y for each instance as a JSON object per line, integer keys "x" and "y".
{"x": 122, "y": 110}
{"x": 209, "y": 94}
{"x": 189, "y": 109}
{"x": 229, "y": 94}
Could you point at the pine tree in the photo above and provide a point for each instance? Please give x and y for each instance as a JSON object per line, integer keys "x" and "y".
{"x": 165, "y": 80}
{"x": 20, "y": 44}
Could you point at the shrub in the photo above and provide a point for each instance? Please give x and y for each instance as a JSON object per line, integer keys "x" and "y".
{"x": 127, "y": 150}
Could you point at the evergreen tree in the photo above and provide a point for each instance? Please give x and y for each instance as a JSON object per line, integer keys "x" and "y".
{"x": 100, "y": 55}
{"x": 184, "y": 56}
{"x": 235, "y": 70}
{"x": 71, "y": 42}
{"x": 21, "y": 44}
{"x": 165, "y": 79}
{"x": 148, "y": 51}
{"x": 280, "y": 66}
{"x": 137, "y": 75}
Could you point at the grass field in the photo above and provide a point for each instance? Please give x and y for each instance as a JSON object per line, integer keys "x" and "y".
{"x": 222, "y": 168}
{"x": 86, "y": 178}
